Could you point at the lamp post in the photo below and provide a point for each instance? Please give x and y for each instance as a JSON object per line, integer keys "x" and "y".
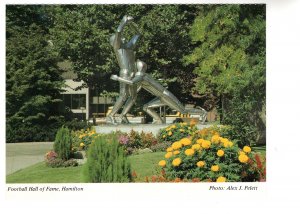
{"x": 82, "y": 109}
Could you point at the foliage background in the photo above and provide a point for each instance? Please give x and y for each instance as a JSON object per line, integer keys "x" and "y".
{"x": 209, "y": 55}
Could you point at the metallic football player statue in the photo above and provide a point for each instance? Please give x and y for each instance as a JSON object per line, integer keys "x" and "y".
{"x": 133, "y": 76}
{"x": 164, "y": 97}
{"x": 126, "y": 60}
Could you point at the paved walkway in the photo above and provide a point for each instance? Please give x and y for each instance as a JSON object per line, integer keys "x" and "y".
{"x": 22, "y": 155}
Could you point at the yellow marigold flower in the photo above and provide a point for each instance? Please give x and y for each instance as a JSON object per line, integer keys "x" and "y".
{"x": 199, "y": 141}
{"x": 221, "y": 179}
{"x": 200, "y": 163}
{"x": 176, "y": 162}
{"x": 184, "y": 123}
{"x": 193, "y": 123}
{"x": 206, "y": 144}
{"x": 189, "y": 152}
{"x": 170, "y": 149}
{"x": 176, "y": 152}
{"x": 215, "y": 168}
{"x": 170, "y": 133}
{"x": 243, "y": 158}
{"x": 181, "y": 130}
{"x": 168, "y": 129}
{"x": 81, "y": 144}
{"x": 162, "y": 163}
{"x": 176, "y": 145}
{"x": 247, "y": 149}
{"x": 164, "y": 136}
{"x": 242, "y": 153}
{"x": 196, "y": 147}
{"x": 185, "y": 141}
{"x": 215, "y": 139}
{"x": 220, "y": 153}
{"x": 173, "y": 126}
{"x": 168, "y": 154}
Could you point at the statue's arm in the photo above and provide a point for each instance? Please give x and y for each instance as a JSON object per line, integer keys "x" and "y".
{"x": 134, "y": 81}
{"x": 118, "y": 34}
{"x": 134, "y": 40}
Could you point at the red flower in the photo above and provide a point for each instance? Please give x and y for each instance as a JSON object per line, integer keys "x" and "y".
{"x": 258, "y": 161}
{"x": 177, "y": 180}
{"x": 196, "y": 180}
{"x": 134, "y": 174}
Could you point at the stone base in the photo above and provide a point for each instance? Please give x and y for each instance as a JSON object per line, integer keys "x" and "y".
{"x": 154, "y": 128}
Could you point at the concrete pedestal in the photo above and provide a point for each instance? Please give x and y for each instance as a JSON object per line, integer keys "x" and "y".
{"x": 154, "y": 128}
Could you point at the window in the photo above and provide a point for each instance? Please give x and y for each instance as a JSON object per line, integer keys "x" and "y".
{"x": 74, "y": 101}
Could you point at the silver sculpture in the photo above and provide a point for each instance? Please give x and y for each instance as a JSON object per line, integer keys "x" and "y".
{"x": 126, "y": 60}
{"x": 133, "y": 76}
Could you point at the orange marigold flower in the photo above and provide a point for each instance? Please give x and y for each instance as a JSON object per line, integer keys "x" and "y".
{"x": 176, "y": 162}
{"x": 221, "y": 179}
{"x": 168, "y": 154}
{"x": 200, "y": 163}
{"x": 189, "y": 152}
{"x": 247, "y": 149}
{"x": 196, "y": 147}
{"x": 220, "y": 153}
{"x": 243, "y": 158}
{"x": 162, "y": 163}
{"x": 215, "y": 139}
{"x": 176, "y": 152}
{"x": 215, "y": 168}
{"x": 199, "y": 141}
{"x": 170, "y": 149}
{"x": 176, "y": 145}
{"x": 206, "y": 144}
{"x": 185, "y": 141}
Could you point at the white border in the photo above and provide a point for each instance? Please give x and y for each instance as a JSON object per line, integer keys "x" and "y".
{"x": 279, "y": 193}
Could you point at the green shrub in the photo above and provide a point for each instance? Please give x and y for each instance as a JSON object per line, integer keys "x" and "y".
{"x": 63, "y": 143}
{"x": 77, "y": 125}
{"x": 33, "y": 133}
{"x": 107, "y": 162}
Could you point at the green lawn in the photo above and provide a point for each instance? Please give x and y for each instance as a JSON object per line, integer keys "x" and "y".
{"x": 143, "y": 164}
{"x": 260, "y": 149}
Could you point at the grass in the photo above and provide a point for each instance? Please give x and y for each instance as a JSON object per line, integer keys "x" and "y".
{"x": 40, "y": 173}
{"x": 143, "y": 164}
{"x": 260, "y": 149}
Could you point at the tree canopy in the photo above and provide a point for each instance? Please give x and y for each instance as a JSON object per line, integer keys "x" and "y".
{"x": 230, "y": 63}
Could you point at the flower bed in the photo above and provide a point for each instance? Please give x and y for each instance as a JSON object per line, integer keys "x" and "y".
{"x": 206, "y": 156}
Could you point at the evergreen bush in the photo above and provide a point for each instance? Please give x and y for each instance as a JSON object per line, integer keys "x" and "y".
{"x": 63, "y": 143}
{"x": 107, "y": 162}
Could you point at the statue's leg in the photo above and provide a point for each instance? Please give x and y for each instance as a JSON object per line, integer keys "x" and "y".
{"x": 149, "y": 108}
{"x": 170, "y": 100}
{"x": 200, "y": 111}
{"x": 129, "y": 103}
{"x": 119, "y": 103}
